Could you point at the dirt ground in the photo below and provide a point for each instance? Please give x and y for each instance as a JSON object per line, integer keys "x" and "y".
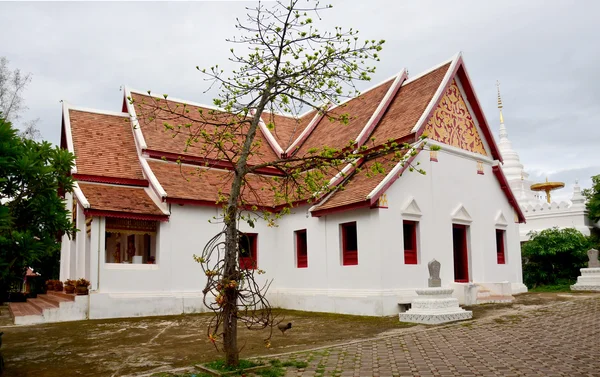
{"x": 133, "y": 346}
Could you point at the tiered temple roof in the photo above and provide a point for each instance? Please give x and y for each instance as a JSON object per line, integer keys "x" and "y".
{"x": 128, "y": 165}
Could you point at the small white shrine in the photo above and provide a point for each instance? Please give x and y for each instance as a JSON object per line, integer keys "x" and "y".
{"x": 590, "y": 276}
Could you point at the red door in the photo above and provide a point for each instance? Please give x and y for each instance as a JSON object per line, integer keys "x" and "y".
{"x": 461, "y": 254}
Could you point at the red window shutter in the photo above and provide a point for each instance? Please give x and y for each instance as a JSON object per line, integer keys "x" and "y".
{"x": 500, "y": 254}
{"x": 301, "y": 249}
{"x": 349, "y": 244}
{"x": 410, "y": 241}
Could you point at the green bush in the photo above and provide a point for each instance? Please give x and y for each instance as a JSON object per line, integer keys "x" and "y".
{"x": 553, "y": 255}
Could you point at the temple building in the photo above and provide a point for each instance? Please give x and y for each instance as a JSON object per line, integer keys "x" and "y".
{"x": 540, "y": 211}
{"x": 142, "y": 208}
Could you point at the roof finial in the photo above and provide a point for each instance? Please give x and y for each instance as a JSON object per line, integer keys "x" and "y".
{"x": 499, "y": 101}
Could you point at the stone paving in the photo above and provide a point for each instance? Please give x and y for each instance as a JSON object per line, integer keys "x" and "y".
{"x": 561, "y": 339}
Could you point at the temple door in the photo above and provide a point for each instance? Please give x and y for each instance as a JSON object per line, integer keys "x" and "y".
{"x": 461, "y": 253}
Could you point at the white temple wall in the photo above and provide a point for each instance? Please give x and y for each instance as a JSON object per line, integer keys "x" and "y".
{"x": 567, "y": 217}
{"x": 450, "y": 183}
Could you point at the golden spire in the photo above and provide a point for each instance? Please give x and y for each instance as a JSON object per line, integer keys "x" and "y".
{"x": 499, "y": 102}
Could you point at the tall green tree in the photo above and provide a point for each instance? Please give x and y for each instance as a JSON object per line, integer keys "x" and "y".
{"x": 283, "y": 64}
{"x": 593, "y": 199}
{"x": 33, "y": 215}
{"x": 553, "y": 255}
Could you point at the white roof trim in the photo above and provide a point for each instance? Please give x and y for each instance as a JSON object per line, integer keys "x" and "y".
{"x": 268, "y": 135}
{"x": 335, "y": 181}
{"x": 306, "y": 132}
{"x": 173, "y": 99}
{"x": 383, "y": 105}
{"x": 152, "y": 178}
{"x": 140, "y": 142}
{"x": 68, "y": 133}
{"x": 162, "y": 206}
{"x": 438, "y": 93}
{"x": 80, "y": 196}
{"x": 446, "y": 148}
{"x": 396, "y": 170}
{"x": 94, "y": 111}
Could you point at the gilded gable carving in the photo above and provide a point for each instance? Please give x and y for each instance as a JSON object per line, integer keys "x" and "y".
{"x": 452, "y": 124}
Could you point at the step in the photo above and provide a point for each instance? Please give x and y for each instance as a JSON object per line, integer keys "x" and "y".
{"x": 42, "y": 304}
{"x": 19, "y": 309}
{"x": 68, "y": 296}
{"x": 54, "y": 299}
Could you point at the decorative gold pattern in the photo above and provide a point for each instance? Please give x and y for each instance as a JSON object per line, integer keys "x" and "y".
{"x": 480, "y": 167}
{"x": 452, "y": 124}
{"x": 433, "y": 156}
{"x": 128, "y": 226}
{"x": 382, "y": 202}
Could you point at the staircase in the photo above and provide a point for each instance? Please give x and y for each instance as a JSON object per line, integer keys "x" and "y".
{"x": 49, "y": 307}
{"x": 486, "y": 296}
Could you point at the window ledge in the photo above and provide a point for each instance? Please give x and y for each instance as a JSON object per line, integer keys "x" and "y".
{"x": 130, "y": 266}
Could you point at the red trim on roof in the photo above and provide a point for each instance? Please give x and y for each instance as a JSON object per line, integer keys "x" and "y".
{"x": 113, "y": 180}
{"x": 364, "y": 204}
{"x": 465, "y": 81}
{"x": 207, "y": 162}
{"x": 499, "y": 174}
{"x": 124, "y": 215}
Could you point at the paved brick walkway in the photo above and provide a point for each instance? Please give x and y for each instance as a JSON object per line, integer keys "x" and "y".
{"x": 562, "y": 339}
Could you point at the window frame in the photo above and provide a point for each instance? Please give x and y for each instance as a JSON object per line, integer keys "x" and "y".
{"x": 349, "y": 257}
{"x": 301, "y": 260}
{"x": 501, "y": 246}
{"x": 411, "y": 256}
{"x": 251, "y": 262}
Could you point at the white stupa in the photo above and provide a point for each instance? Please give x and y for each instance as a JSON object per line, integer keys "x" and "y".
{"x": 540, "y": 212}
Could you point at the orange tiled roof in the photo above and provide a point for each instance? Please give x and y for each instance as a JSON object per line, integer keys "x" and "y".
{"x": 361, "y": 183}
{"x": 337, "y": 135}
{"x": 152, "y": 121}
{"x": 119, "y": 199}
{"x": 287, "y": 129}
{"x": 407, "y": 106}
{"x": 104, "y": 145}
{"x": 189, "y": 182}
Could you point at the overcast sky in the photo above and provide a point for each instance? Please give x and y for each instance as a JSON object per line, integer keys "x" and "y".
{"x": 545, "y": 53}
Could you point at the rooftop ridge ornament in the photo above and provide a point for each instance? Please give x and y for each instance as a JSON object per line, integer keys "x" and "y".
{"x": 500, "y": 106}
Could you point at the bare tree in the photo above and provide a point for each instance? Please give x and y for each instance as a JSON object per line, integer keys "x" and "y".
{"x": 12, "y": 85}
{"x": 287, "y": 65}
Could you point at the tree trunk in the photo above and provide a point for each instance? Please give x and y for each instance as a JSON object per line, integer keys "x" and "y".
{"x": 232, "y": 357}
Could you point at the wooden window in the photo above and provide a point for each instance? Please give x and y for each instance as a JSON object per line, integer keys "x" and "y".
{"x": 500, "y": 234}
{"x": 349, "y": 244}
{"x": 301, "y": 249}
{"x": 247, "y": 249}
{"x": 410, "y": 241}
